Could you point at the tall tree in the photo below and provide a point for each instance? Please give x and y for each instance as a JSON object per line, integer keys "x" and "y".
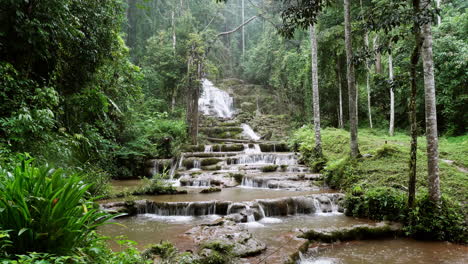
{"x": 315, "y": 90}
{"x": 366, "y": 42}
{"x": 340, "y": 99}
{"x": 412, "y": 107}
{"x": 391, "y": 129}
{"x": 430, "y": 102}
{"x": 351, "y": 81}
{"x": 194, "y": 75}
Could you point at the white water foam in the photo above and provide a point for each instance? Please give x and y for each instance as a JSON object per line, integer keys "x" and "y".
{"x": 249, "y": 133}
{"x": 214, "y": 101}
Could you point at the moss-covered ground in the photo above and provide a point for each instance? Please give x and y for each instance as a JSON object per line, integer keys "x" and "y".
{"x": 388, "y": 163}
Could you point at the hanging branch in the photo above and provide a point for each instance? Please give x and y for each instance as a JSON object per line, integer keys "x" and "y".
{"x": 237, "y": 28}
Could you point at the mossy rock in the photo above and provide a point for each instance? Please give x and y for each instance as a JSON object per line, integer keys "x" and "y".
{"x": 211, "y": 168}
{"x": 271, "y": 147}
{"x": 193, "y": 148}
{"x": 211, "y": 190}
{"x": 221, "y": 132}
{"x": 269, "y": 168}
{"x": 360, "y": 232}
{"x": 209, "y": 161}
{"x": 237, "y": 176}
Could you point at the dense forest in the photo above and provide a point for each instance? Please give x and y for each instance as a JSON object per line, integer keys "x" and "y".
{"x": 368, "y": 98}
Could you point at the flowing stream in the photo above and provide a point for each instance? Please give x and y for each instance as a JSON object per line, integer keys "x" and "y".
{"x": 270, "y": 193}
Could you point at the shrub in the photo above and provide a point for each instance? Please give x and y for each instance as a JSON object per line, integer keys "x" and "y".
{"x": 155, "y": 185}
{"x": 437, "y": 222}
{"x": 269, "y": 168}
{"x": 378, "y": 203}
{"x": 386, "y": 150}
{"x": 45, "y": 210}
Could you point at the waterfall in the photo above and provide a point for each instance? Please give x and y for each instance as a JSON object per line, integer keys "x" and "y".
{"x": 208, "y": 148}
{"x": 255, "y": 150}
{"x": 155, "y": 168}
{"x": 249, "y": 133}
{"x": 276, "y": 159}
{"x": 216, "y": 102}
{"x": 196, "y": 164}
{"x": 174, "y": 166}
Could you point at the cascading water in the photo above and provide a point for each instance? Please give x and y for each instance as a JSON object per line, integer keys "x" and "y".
{"x": 208, "y": 148}
{"x": 249, "y": 133}
{"x": 214, "y": 101}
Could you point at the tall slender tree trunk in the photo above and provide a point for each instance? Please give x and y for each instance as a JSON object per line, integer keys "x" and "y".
{"x": 315, "y": 91}
{"x": 412, "y": 107}
{"x": 366, "y": 42}
{"x": 391, "y": 130}
{"x": 431, "y": 113}
{"x": 174, "y": 42}
{"x": 351, "y": 81}
{"x": 378, "y": 56}
{"x": 439, "y": 20}
{"x": 340, "y": 112}
{"x": 194, "y": 70}
{"x": 243, "y": 31}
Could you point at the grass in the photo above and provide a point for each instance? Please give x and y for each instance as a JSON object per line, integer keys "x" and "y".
{"x": 388, "y": 165}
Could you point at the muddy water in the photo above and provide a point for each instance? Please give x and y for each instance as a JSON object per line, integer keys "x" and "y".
{"x": 150, "y": 229}
{"x": 268, "y": 229}
{"x": 390, "y": 251}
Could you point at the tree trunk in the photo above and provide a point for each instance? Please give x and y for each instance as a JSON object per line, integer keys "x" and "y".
{"x": 366, "y": 42}
{"x": 243, "y": 31}
{"x": 351, "y": 83}
{"x": 174, "y": 38}
{"x": 338, "y": 74}
{"x": 378, "y": 56}
{"x": 439, "y": 20}
{"x": 430, "y": 105}
{"x": 315, "y": 92}
{"x": 194, "y": 71}
{"x": 412, "y": 107}
{"x": 391, "y": 130}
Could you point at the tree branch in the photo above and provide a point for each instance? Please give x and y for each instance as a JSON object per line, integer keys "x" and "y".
{"x": 237, "y": 28}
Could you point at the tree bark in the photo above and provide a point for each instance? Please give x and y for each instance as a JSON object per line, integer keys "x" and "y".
{"x": 412, "y": 107}
{"x": 315, "y": 91}
{"x": 391, "y": 130}
{"x": 430, "y": 107}
{"x": 439, "y": 20}
{"x": 378, "y": 56}
{"x": 351, "y": 82}
{"x": 340, "y": 113}
{"x": 366, "y": 42}
{"x": 243, "y": 31}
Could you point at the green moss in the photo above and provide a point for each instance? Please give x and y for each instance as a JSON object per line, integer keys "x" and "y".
{"x": 210, "y": 190}
{"x": 211, "y": 168}
{"x": 354, "y": 233}
{"x": 232, "y": 147}
{"x": 269, "y": 168}
{"x": 284, "y": 167}
{"x": 386, "y": 150}
{"x": 272, "y": 147}
{"x": 237, "y": 176}
{"x": 209, "y": 161}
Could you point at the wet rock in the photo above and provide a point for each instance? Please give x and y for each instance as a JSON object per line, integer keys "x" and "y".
{"x": 238, "y": 218}
{"x": 230, "y": 234}
{"x": 357, "y": 232}
{"x": 210, "y": 190}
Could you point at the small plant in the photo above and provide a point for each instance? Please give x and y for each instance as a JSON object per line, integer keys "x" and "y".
{"x": 386, "y": 150}
{"x": 237, "y": 176}
{"x": 269, "y": 168}
{"x": 155, "y": 185}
